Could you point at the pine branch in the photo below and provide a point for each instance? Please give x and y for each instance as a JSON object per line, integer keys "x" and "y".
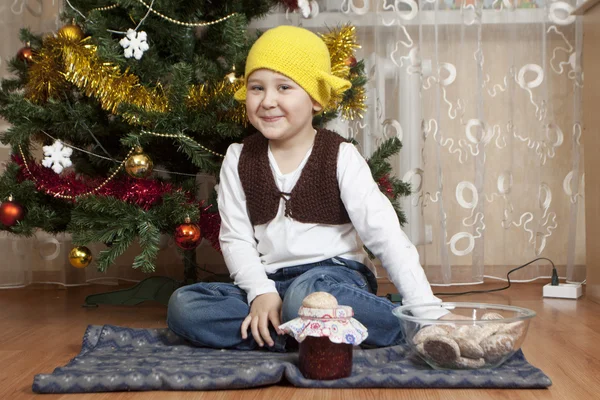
{"x": 10, "y": 85}
{"x": 181, "y": 75}
{"x": 200, "y": 157}
{"x": 149, "y": 237}
{"x": 108, "y": 256}
{"x": 382, "y": 169}
{"x": 387, "y": 149}
{"x": 399, "y": 212}
{"x": 174, "y": 209}
{"x": 34, "y": 40}
{"x": 107, "y": 220}
{"x": 402, "y": 188}
{"x": 112, "y": 221}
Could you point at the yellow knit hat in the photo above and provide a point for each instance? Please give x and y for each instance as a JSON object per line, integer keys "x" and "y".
{"x": 298, "y": 54}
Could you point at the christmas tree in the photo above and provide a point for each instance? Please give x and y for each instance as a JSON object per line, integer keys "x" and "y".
{"x": 129, "y": 101}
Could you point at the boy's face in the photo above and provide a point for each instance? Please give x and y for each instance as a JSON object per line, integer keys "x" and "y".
{"x": 277, "y": 106}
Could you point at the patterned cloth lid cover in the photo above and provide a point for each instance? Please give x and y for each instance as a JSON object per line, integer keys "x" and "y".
{"x": 335, "y": 323}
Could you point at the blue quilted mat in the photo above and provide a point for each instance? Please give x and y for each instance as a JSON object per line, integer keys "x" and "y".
{"x": 115, "y": 358}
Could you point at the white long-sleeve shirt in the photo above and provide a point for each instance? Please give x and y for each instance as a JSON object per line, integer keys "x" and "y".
{"x": 252, "y": 252}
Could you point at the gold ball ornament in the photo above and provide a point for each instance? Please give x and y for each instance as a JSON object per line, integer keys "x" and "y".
{"x": 139, "y": 165}
{"x": 80, "y": 257}
{"x": 72, "y": 32}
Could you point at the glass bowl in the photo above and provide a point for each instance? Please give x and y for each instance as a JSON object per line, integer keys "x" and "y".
{"x": 478, "y": 336}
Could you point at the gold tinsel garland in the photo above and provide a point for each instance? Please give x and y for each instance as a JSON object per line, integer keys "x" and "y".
{"x": 341, "y": 44}
{"x": 45, "y": 79}
{"x": 200, "y": 96}
{"x": 62, "y": 59}
{"x": 107, "y": 83}
{"x": 353, "y": 107}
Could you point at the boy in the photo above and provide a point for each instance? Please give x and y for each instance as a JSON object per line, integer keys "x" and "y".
{"x": 293, "y": 201}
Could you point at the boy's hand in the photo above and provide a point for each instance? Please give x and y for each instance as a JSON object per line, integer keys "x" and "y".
{"x": 265, "y": 308}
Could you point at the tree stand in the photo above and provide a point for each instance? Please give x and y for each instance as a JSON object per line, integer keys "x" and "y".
{"x": 154, "y": 288}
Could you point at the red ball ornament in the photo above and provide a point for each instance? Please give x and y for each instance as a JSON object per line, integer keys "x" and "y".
{"x": 11, "y": 212}
{"x": 351, "y": 61}
{"x": 25, "y": 54}
{"x": 188, "y": 235}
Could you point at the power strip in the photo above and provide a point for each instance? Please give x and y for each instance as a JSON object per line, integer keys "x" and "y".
{"x": 563, "y": 291}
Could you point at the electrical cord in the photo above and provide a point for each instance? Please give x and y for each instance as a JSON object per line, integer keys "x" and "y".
{"x": 554, "y": 280}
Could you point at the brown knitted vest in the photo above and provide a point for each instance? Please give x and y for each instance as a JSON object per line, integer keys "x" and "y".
{"x": 316, "y": 196}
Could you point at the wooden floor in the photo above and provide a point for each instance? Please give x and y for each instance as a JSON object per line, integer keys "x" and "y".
{"x": 42, "y": 327}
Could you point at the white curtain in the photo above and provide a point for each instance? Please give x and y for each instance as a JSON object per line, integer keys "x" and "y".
{"x": 486, "y": 97}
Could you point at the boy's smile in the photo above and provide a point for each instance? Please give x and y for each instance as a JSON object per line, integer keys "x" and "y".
{"x": 271, "y": 119}
{"x": 279, "y": 108}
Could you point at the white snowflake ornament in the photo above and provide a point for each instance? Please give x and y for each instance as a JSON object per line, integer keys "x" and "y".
{"x": 308, "y": 8}
{"x": 134, "y": 43}
{"x": 57, "y": 156}
{"x": 304, "y": 7}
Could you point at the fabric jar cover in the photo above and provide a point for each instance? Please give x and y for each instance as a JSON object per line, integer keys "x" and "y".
{"x": 335, "y": 323}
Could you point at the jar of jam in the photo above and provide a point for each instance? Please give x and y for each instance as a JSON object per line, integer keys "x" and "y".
{"x": 326, "y": 333}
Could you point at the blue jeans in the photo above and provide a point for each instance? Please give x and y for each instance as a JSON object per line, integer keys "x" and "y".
{"x": 211, "y": 314}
